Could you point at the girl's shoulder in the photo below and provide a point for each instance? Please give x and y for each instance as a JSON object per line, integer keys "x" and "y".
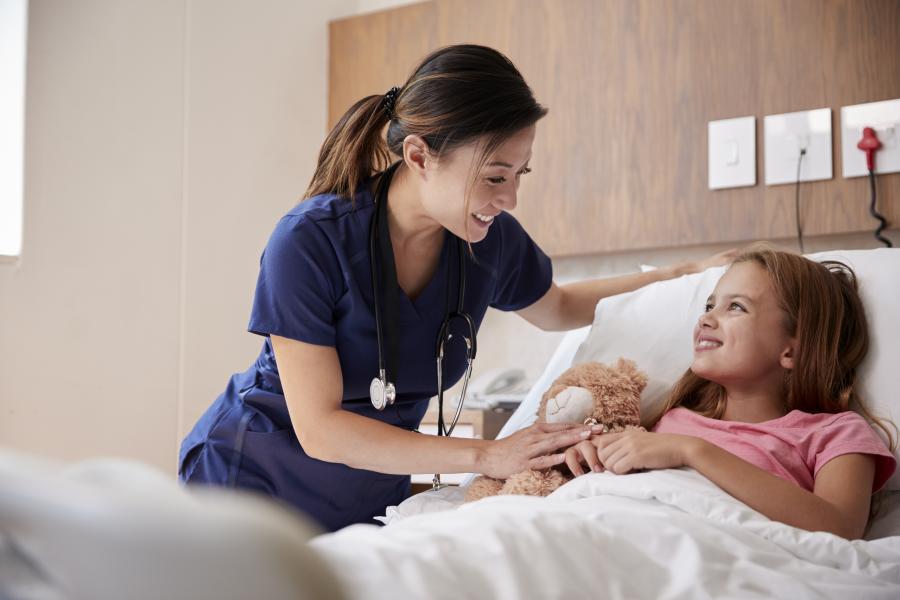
{"x": 795, "y": 419}
{"x": 803, "y": 419}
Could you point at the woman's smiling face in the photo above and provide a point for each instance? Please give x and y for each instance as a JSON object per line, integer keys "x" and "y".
{"x": 494, "y": 190}
{"x": 742, "y": 337}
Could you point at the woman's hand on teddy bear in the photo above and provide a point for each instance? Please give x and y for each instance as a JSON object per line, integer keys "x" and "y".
{"x": 631, "y": 451}
{"x": 534, "y": 447}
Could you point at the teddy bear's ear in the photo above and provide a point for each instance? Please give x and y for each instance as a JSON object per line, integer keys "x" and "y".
{"x": 555, "y": 388}
{"x": 629, "y": 368}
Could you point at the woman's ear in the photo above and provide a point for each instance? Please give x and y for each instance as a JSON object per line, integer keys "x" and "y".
{"x": 416, "y": 155}
{"x": 787, "y": 355}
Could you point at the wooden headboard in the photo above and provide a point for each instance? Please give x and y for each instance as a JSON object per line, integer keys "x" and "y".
{"x": 621, "y": 160}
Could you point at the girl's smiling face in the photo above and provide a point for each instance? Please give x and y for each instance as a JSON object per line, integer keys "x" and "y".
{"x": 741, "y": 338}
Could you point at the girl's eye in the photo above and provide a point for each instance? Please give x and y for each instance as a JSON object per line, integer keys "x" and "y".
{"x": 525, "y": 171}
{"x": 707, "y": 307}
{"x": 736, "y": 305}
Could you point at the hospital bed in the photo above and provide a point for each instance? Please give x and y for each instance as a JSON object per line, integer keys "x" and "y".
{"x": 657, "y": 534}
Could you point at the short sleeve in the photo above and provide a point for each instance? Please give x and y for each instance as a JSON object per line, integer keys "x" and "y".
{"x": 298, "y": 285}
{"x": 852, "y": 434}
{"x": 525, "y": 273}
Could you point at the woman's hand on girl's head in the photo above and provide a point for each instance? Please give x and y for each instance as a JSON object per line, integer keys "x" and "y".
{"x": 534, "y": 447}
{"x": 696, "y": 266}
{"x": 637, "y": 449}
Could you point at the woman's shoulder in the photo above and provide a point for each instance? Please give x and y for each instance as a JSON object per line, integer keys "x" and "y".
{"x": 324, "y": 221}
{"x": 329, "y": 207}
{"x": 321, "y": 228}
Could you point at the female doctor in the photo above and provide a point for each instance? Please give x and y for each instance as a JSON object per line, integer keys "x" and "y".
{"x": 352, "y": 300}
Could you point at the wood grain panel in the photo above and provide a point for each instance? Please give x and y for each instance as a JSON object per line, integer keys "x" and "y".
{"x": 371, "y": 53}
{"x": 621, "y": 160}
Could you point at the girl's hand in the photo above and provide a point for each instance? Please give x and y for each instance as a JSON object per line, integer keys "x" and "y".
{"x": 634, "y": 450}
{"x": 584, "y": 453}
{"x": 630, "y": 451}
{"x": 531, "y": 448}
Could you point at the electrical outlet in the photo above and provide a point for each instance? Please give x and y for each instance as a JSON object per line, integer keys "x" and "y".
{"x": 732, "y": 153}
{"x": 786, "y": 135}
{"x": 884, "y": 118}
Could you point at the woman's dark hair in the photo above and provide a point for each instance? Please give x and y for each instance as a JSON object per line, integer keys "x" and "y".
{"x": 458, "y": 94}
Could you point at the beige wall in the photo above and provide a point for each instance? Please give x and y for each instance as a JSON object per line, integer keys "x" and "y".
{"x": 163, "y": 141}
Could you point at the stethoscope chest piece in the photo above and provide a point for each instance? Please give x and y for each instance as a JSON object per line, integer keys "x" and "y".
{"x": 382, "y": 393}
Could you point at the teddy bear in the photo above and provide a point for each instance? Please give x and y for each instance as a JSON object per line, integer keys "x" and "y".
{"x": 590, "y": 393}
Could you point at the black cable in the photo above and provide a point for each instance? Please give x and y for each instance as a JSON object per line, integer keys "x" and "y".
{"x": 797, "y": 201}
{"x": 875, "y": 215}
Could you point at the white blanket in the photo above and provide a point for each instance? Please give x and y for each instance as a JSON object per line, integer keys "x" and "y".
{"x": 659, "y": 534}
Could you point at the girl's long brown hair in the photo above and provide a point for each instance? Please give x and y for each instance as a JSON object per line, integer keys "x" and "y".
{"x": 824, "y": 312}
{"x": 457, "y": 95}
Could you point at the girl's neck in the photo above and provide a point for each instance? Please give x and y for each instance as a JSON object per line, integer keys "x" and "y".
{"x": 753, "y": 405}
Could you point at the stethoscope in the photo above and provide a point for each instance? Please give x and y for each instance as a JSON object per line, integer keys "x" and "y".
{"x": 382, "y": 390}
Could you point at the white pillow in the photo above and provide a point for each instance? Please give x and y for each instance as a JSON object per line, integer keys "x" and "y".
{"x": 653, "y": 327}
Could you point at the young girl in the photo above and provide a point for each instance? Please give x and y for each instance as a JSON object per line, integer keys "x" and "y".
{"x": 765, "y": 409}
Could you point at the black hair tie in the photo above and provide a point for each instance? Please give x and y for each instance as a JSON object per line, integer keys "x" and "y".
{"x": 390, "y": 98}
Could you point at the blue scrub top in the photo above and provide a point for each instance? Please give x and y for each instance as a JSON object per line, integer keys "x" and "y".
{"x": 315, "y": 286}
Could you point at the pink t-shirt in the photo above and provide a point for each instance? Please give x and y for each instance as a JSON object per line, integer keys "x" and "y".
{"x": 793, "y": 447}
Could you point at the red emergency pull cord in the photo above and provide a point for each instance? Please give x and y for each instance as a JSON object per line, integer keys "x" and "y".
{"x": 869, "y": 144}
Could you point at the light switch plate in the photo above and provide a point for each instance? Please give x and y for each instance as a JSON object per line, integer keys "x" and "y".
{"x": 732, "y": 153}
{"x": 884, "y": 118}
{"x": 786, "y": 134}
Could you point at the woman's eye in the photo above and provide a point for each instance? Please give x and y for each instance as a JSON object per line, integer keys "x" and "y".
{"x": 500, "y": 180}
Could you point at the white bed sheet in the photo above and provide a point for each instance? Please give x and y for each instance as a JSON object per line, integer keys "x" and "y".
{"x": 659, "y": 534}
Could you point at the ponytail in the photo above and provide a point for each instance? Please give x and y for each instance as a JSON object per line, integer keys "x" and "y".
{"x": 353, "y": 150}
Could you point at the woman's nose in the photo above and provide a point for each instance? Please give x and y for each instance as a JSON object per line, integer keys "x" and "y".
{"x": 507, "y": 201}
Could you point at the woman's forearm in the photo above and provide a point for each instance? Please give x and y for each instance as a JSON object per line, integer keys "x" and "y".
{"x": 776, "y": 498}
{"x": 364, "y": 443}
{"x": 581, "y": 298}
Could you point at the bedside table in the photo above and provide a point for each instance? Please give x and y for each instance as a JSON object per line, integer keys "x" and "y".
{"x": 477, "y": 423}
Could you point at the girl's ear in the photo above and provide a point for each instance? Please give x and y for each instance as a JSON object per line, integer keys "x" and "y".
{"x": 787, "y": 355}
